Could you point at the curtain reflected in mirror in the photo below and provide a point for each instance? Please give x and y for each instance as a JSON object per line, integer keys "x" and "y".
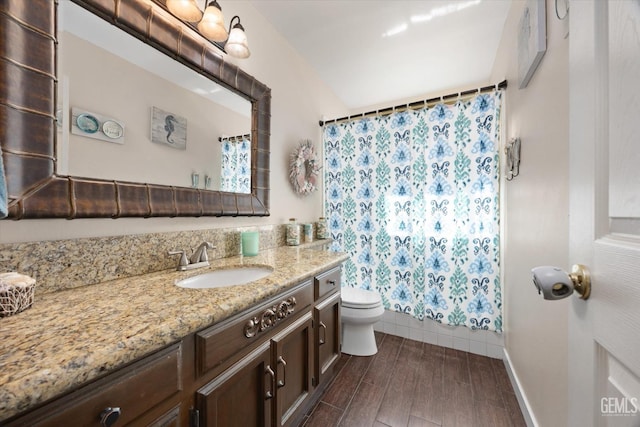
{"x": 235, "y": 176}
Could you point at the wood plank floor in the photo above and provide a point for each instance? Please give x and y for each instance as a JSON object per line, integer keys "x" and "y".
{"x": 410, "y": 384}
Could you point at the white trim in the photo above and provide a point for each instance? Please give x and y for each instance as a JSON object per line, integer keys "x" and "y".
{"x": 525, "y": 408}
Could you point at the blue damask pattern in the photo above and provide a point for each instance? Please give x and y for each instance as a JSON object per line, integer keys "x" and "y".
{"x": 235, "y": 174}
{"x": 414, "y": 198}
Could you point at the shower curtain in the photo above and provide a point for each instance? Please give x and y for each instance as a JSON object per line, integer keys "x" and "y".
{"x": 236, "y": 164}
{"x": 413, "y": 197}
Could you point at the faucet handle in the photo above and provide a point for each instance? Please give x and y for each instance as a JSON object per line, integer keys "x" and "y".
{"x": 184, "y": 261}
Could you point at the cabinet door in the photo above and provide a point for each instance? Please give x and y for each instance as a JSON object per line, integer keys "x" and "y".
{"x": 327, "y": 341}
{"x": 242, "y": 396}
{"x": 293, "y": 359}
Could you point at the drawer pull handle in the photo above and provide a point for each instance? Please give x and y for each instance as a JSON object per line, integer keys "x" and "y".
{"x": 324, "y": 334}
{"x": 331, "y": 282}
{"x": 269, "y": 317}
{"x": 272, "y": 374}
{"x": 109, "y": 416}
{"x": 282, "y": 382}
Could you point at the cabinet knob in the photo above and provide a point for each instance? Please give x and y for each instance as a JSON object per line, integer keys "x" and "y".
{"x": 109, "y": 416}
{"x": 331, "y": 282}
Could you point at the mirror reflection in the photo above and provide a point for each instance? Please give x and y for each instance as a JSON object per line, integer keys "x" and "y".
{"x": 130, "y": 113}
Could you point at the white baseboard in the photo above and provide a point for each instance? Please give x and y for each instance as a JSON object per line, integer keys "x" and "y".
{"x": 527, "y": 413}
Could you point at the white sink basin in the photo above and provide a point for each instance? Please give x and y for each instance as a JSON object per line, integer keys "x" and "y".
{"x": 225, "y": 277}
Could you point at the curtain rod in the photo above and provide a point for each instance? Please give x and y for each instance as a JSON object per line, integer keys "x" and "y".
{"x": 231, "y": 138}
{"x": 419, "y": 104}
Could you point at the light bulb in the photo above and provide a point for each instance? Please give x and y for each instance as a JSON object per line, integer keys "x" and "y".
{"x": 237, "y": 45}
{"x": 186, "y": 10}
{"x": 212, "y": 24}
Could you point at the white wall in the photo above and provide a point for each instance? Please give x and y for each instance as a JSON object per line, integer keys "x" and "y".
{"x": 299, "y": 99}
{"x": 536, "y": 219}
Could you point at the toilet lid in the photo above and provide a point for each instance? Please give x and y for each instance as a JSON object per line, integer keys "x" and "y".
{"x": 360, "y": 298}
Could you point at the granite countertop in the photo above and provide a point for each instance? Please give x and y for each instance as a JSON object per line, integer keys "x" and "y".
{"x": 70, "y": 337}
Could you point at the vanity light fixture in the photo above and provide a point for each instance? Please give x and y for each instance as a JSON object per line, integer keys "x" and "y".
{"x": 210, "y": 24}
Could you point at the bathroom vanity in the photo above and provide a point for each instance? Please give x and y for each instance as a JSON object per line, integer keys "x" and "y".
{"x": 142, "y": 351}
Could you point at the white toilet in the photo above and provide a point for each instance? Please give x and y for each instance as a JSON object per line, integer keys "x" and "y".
{"x": 360, "y": 310}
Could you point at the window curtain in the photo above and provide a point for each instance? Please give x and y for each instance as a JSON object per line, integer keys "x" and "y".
{"x": 413, "y": 197}
{"x": 236, "y": 164}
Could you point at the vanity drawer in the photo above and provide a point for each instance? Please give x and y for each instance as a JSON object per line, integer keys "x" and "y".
{"x": 135, "y": 390}
{"x": 219, "y": 343}
{"x": 327, "y": 283}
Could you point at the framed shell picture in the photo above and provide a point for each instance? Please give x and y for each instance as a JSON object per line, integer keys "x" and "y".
{"x": 532, "y": 40}
{"x": 168, "y": 128}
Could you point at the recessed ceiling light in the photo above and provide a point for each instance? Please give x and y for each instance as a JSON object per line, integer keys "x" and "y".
{"x": 444, "y": 10}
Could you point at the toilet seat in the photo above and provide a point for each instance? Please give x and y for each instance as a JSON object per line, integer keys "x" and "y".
{"x": 360, "y": 298}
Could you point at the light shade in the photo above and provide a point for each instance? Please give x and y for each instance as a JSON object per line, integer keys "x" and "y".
{"x": 237, "y": 45}
{"x": 212, "y": 24}
{"x": 186, "y": 10}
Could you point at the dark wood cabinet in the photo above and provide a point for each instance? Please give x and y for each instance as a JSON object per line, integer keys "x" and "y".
{"x": 327, "y": 321}
{"x": 221, "y": 344}
{"x": 326, "y": 314}
{"x": 304, "y": 350}
{"x": 263, "y": 367}
{"x": 128, "y": 396}
{"x": 293, "y": 358}
{"x": 269, "y": 385}
{"x": 243, "y": 395}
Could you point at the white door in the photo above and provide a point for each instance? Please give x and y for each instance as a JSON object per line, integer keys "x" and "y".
{"x": 604, "y": 331}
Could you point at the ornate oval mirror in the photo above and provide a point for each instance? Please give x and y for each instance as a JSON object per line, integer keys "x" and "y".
{"x": 38, "y": 188}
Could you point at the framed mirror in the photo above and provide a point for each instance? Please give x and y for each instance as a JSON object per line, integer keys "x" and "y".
{"x": 39, "y": 188}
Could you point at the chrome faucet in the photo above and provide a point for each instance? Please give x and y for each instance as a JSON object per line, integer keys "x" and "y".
{"x": 200, "y": 254}
{"x": 198, "y": 259}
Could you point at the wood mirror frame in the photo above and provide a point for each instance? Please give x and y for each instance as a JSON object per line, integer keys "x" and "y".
{"x": 28, "y": 88}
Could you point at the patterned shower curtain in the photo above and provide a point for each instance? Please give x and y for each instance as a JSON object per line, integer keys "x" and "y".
{"x": 236, "y": 164}
{"x": 413, "y": 197}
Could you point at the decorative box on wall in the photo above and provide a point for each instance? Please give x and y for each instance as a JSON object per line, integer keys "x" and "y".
{"x": 532, "y": 40}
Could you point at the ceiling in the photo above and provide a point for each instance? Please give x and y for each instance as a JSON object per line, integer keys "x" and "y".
{"x": 373, "y": 52}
